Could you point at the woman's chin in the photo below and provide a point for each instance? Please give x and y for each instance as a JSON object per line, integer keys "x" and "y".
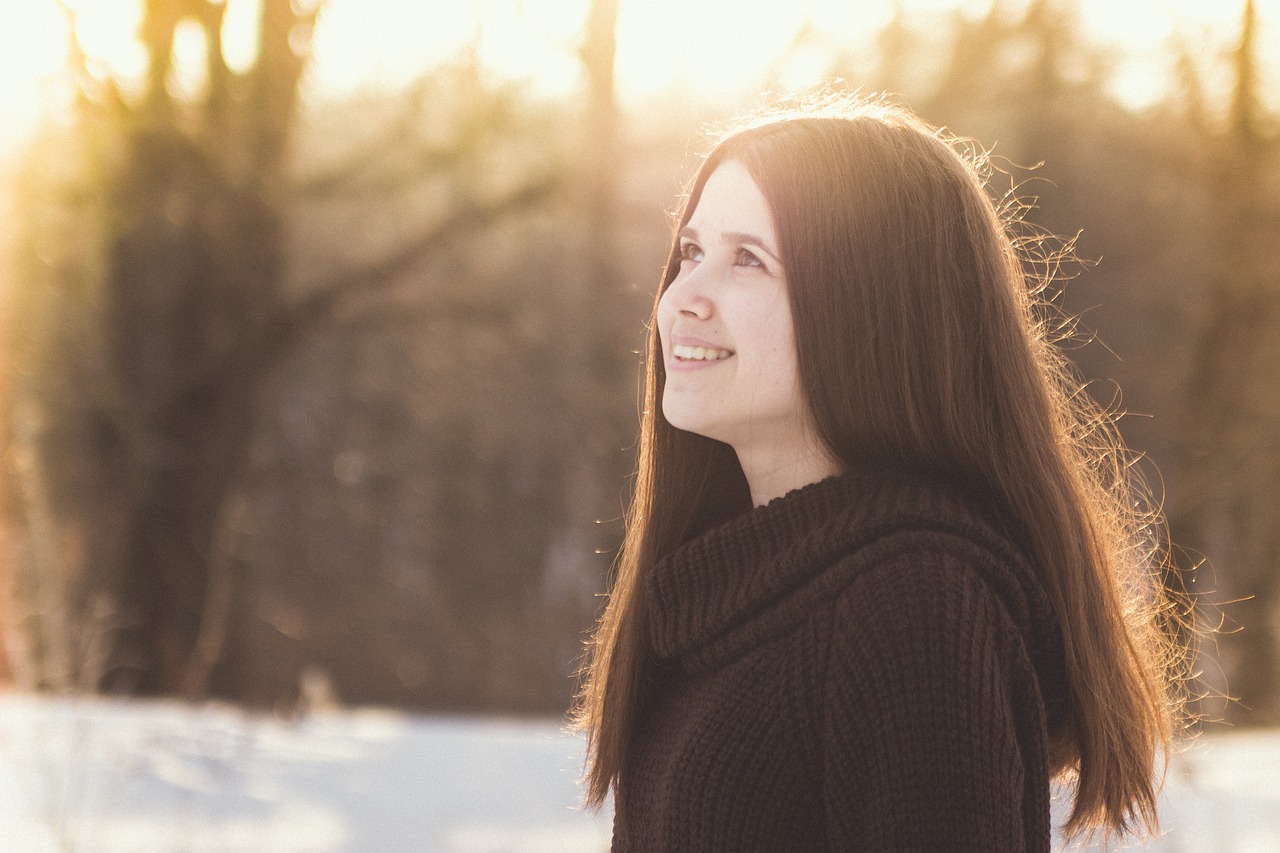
{"x": 696, "y": 422}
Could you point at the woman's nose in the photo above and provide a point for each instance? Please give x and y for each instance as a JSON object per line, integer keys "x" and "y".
{"x": 689, "y": 297}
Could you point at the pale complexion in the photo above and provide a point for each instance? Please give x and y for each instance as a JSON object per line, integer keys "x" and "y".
{"x": 729, "y": 345}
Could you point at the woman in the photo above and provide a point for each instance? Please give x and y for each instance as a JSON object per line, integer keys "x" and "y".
{"x": 883, "y": 579}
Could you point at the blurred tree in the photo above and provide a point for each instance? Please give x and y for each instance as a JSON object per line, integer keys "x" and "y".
{"x": 6, "y": 545}
{"x": 193, "y": 288}
{"x": 407, "y": 490}
{"x": 605, "y": 317}
{"x": 1229, "y": 504}
{"x": 163, "y": 335}
{"x": 189, "y": 179}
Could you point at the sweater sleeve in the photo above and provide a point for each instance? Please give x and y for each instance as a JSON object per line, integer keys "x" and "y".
{"x": 920, "y": 745}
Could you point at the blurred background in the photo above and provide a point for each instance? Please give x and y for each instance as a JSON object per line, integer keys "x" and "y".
{"x": 320, "y": 321}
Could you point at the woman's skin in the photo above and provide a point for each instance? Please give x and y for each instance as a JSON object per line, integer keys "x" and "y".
{"x": 728, "y": 342}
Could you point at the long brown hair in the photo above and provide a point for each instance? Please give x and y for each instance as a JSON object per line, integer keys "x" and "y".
{"x": 921, "y": 342}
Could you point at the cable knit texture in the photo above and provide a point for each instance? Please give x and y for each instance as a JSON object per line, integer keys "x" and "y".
{"x": 862, "y": 664}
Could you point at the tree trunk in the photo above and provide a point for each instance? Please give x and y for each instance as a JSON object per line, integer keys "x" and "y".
{"x": 194, "y": 278}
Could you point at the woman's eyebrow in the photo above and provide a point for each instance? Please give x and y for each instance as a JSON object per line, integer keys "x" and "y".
{"x": 741, "y": 237}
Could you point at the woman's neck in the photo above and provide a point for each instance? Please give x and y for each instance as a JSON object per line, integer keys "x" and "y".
{"x": 772, "y": 471}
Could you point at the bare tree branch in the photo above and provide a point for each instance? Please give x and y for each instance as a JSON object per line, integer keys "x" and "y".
{"x": 256, "y": 358}
{"x": 382, "y": 166}
{"x": 325, "y": 297}
{"x": 341, "y": 176}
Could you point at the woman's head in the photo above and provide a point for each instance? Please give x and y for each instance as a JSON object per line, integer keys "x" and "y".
{"x": 907, "y": 304}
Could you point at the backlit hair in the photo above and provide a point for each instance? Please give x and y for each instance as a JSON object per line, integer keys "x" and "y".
{"x": 921, "y": 343}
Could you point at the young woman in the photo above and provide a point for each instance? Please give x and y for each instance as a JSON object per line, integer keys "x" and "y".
{"x": 883, "y": 578}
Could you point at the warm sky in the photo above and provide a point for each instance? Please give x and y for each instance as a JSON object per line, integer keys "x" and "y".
{"x": 713, "y": 46}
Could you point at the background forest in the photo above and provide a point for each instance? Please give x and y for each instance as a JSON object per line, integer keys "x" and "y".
{"x": 313, "y": 397}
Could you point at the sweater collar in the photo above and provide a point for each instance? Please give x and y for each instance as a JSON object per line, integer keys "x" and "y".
{"x": 731, "y": 573}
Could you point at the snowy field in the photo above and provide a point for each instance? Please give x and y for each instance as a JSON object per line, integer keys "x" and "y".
{"x": 106, "y": 776}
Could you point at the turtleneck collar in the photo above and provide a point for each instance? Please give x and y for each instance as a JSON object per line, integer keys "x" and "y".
{"x": 727, "y": 576}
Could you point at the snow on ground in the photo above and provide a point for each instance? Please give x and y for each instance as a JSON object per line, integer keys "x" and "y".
{"x": 113, "y": 776}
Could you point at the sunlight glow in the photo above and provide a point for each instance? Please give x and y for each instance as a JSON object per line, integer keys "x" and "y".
{"x": 720, "y": 51}
{"x": 107, "y": 31}
{"x": 715, "y": 48}
{"x": 240, "y": 33}
{"x": 1144, "y": 37}
{"x": 190, "y": 72}
{"x": 31, "y": 56}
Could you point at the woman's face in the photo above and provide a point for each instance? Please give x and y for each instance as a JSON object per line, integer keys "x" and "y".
{"x": 725, "y": 324}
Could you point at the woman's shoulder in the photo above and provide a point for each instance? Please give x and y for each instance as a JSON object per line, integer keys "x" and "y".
{"x": 933, "y": 581}
{"x": 916, "y": 562}
{"x": 926, "y": 538}
{"x": 933, "y": 599}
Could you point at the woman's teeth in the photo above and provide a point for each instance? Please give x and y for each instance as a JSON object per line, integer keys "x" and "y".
{"x": 699, "y": 353}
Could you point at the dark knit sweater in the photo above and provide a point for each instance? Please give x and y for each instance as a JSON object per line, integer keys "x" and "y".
{"x": 862, "y": 664}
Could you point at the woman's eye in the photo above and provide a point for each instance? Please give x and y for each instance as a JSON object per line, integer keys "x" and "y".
{"x": 690, "y": 252}
{"x": 747, "y": 259}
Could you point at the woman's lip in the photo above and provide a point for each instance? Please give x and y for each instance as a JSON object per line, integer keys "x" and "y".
{"x": 686, "y": 341}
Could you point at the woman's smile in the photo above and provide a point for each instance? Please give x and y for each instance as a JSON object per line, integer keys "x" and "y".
{"x": 693, "y": 354}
